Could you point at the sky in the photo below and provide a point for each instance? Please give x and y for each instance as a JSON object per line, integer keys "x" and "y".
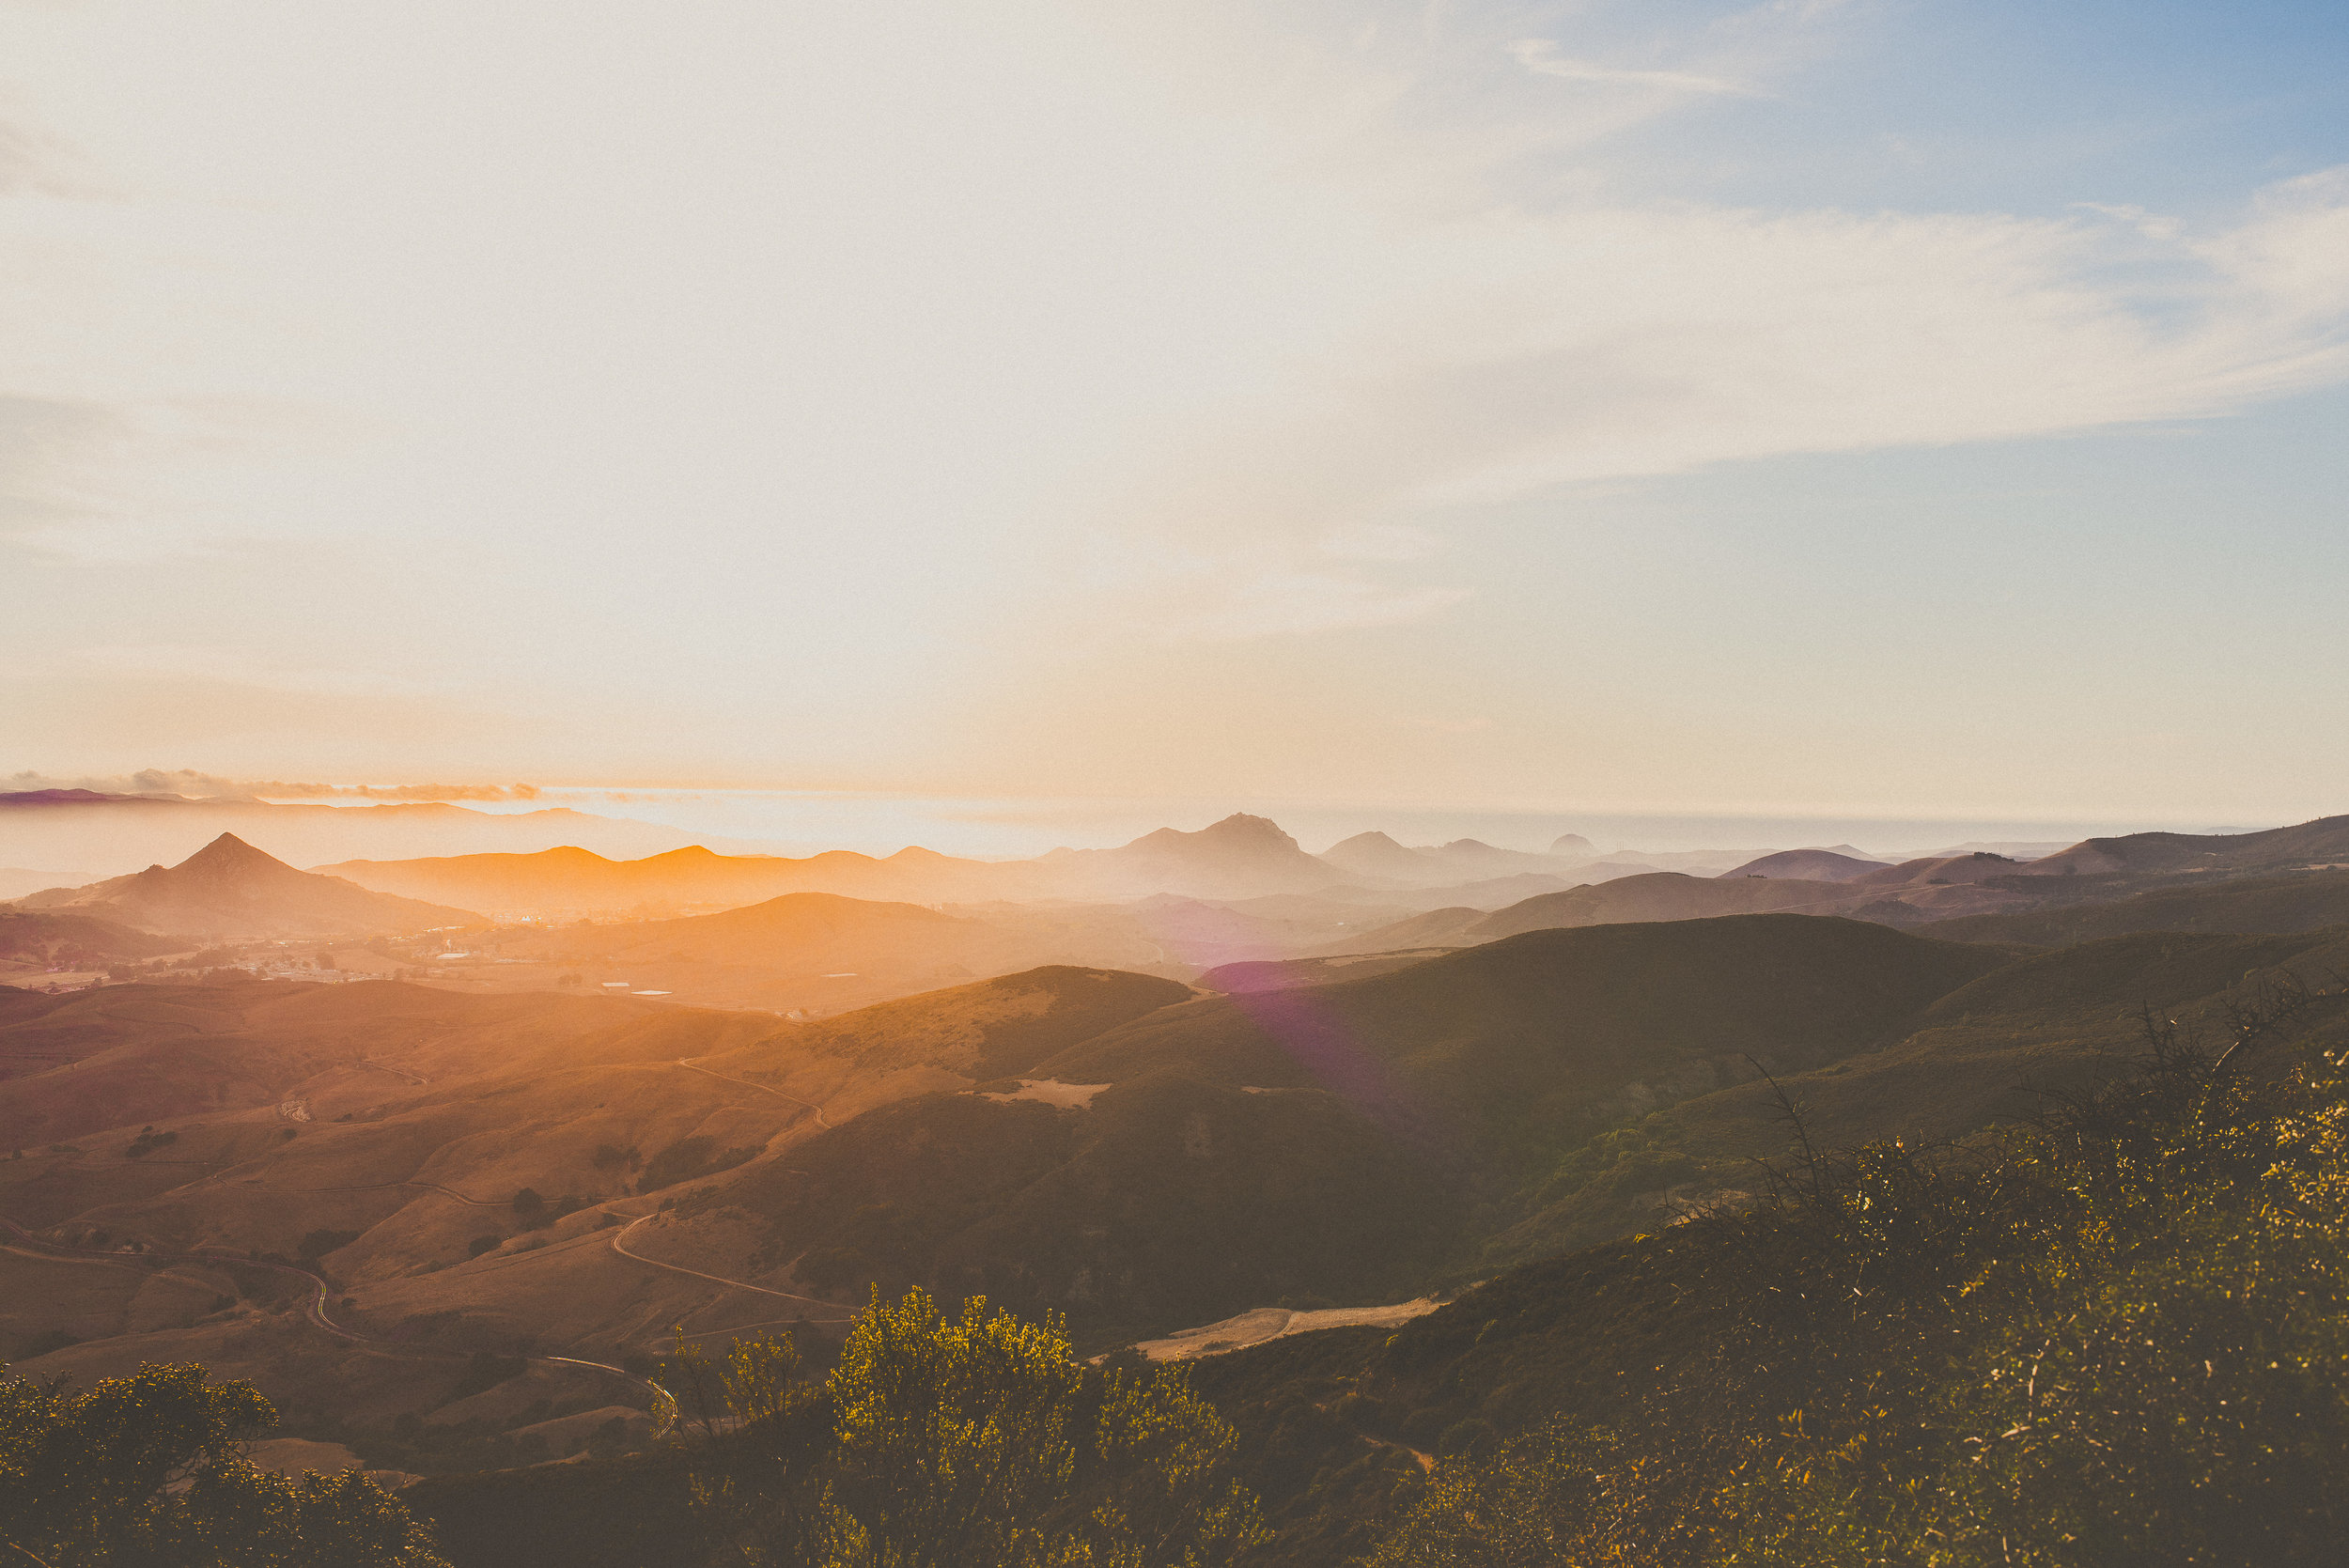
{"x": 1885, "y": 408}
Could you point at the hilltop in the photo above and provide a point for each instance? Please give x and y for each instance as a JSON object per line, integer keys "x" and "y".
{"x": 230, "y": 891}
{"x": 2299, "y": 901}
{"x": 1808, "y": 865}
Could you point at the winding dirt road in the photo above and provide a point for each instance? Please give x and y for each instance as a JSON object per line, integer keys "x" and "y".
{"x": 760, "y": 1087}
{"x": 720, "y": 1278}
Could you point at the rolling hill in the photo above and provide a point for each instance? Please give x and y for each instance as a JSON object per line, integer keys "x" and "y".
{"x": 1722, "y": 1328}
{"x": 2324, "y": 841}
{"x": 1345, "y": 1140}
{"x": 1640, "y": 897}
{"x": 230, "y": 891}
{"x": 820, "y": 952}
{"x": 1287, "y": 974}
{"x": 1807, "y": 866}
{"x": 2302, "y": 901}
{"x": 381, "y": 1132}
{"x": 31, "y": 941}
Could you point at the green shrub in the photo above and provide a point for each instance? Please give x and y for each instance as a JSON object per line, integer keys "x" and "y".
{"x": 149, "y": 1470}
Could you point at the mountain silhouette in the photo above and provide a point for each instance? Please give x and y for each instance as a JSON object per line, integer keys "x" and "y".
{"x": 230, "y": 891}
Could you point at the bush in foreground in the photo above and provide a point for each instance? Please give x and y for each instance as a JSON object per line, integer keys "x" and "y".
{"x": 146, "y": 1471}
{"x": 944, "y": 1442}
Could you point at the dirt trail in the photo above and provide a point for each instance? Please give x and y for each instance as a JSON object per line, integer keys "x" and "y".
{"x": 379, "y": 1187}
{"x": 760, "y": 1087}
{"x": 718, "y": 1278}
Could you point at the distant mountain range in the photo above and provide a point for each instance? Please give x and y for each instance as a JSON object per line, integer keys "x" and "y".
{"x": 67, "y": 828}
{"x": 230, "y": 891}
{"x": 1239, "y": 858}
{"x": 1979, "y": 885}
{"x": 841, "y": 929}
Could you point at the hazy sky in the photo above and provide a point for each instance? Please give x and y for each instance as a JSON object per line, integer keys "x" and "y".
{"x": 1920, "y": 406}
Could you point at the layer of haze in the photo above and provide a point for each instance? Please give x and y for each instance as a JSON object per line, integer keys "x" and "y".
{"x": 1807, "y": 408}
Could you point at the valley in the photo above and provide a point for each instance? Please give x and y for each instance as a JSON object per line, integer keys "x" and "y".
{"x": 455, "y": 1208}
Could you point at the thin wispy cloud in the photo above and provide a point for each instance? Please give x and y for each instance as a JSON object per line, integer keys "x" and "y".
{"x": 1542, "y": 58}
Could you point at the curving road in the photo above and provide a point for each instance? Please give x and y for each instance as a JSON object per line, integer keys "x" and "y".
{"x": 746, "y": 1084}
{"x": 380, "y": 1187}
{"x": 718, "y": 1279}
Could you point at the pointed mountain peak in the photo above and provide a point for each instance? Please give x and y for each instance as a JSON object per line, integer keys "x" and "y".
{"x": 1372, "y": 840}
{"x": 229, "y": 853}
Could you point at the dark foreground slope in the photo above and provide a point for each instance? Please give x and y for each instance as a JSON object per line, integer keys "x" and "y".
{"x": 1827, "y": 1373}
{"x": 1354, "y": 1143}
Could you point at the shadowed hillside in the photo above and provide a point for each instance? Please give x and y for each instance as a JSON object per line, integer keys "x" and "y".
{"x": 1344, "y": 1141}
{"x": 2323, "y": 840}
{"x": 2304, "y": 901}
{"x": 31, "y": 941}
{"x": 1983, "y": 1052}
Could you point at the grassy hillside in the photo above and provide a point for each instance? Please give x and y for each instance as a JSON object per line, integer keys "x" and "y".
{"x": 983, "y": 1030}
{"x": 1347, "y": 1143}
{"x": 121, "y": 1056}
{"x": 2303, "y": 901}
{"x": 1874, "y": 1293}
{"x": 1983, "y": 1052}
{"x": 1537, "y": 1111}
{"x": 1472, "y": 1112}
{"x": 37, "y": 940}
{"x": 1165, "y": 1200}
{"x": 2322, "y": 840}
{"x": 2113, "y": 1336}
{"x": 1502, "y": 1055}
{"x": 1287, "y": 974}
{"x": 385, "y": 1134}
